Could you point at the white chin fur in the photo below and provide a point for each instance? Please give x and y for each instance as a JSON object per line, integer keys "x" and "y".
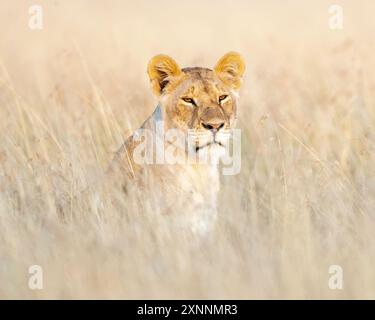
{"x": 211, "y": 154}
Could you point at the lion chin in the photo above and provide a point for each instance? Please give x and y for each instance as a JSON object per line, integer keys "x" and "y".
{"x": 210, "y": 153}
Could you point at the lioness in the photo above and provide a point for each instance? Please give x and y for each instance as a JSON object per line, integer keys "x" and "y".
{"x": 197, "y": 103}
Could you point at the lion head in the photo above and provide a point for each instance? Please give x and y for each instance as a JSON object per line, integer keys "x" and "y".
{"x": 200, "y": 102}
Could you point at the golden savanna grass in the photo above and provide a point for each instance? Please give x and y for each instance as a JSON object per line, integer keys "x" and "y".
{"x": 303, "y": 201}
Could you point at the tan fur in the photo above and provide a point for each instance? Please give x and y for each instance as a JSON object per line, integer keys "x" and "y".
{"x": 186, "y": 190}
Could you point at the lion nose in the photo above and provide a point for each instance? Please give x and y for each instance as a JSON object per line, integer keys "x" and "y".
{"x": 213, "y": 126}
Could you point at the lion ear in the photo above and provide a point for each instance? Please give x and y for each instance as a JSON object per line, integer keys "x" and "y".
{"x": 230, "y": 69}
{"x": 161, "y": 69}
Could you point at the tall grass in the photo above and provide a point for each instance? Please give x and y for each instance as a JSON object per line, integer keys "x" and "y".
{"x": 303, "y": 201}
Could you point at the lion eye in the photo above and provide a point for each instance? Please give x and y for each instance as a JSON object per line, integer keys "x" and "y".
{"x": 222, "y": 97}
{"x": 189, "y": 100}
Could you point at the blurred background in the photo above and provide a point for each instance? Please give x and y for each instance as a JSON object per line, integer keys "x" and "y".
{"x": 71, "y": 92}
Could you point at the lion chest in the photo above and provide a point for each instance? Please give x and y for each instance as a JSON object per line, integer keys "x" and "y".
{"x": 189, "y": 192}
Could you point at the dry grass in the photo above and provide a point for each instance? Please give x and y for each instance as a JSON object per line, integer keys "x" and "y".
{"x": 305, "y": 197}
